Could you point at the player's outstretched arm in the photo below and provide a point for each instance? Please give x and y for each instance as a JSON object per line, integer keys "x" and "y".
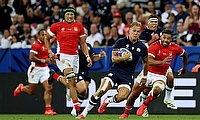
{"x": 185, "y": 62}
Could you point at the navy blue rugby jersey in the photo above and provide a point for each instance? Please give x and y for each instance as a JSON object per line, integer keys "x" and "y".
{"x": 146, "y": 34}
{"x": 82, "y": 59}
{"x": 137, "y": 49}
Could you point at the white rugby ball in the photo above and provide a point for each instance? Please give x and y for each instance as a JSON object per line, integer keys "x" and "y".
{"x": 121, "y": 52}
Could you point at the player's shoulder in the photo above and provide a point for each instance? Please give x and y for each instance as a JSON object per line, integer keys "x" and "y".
{"x": 77, "y": 22}
{"x": 57, "y": 24}
{"x": 174, "y": 45}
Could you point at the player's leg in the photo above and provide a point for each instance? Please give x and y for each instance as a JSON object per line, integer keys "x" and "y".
{"x": 105, "y": 85}
{"x": 169, "y": 87}
{"x": 136, "y": 90}
{"x": 48, "y": 98}
{"x": 122, "y": 94}
{"x": 33, "y": 80}
{"x": 158, "y": 87}
{"x": 82, "y": 90}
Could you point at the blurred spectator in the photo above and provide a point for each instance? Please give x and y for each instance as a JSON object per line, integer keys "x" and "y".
{"x": 86, "y": 18}
{"x": 13, "y": 30}
{"x": 96, "y": 43}
{"x": 109, "y": 20}
{"x": 94, "y": 36}
{"x": 26, "y": 36}
{"x": 137, "y": 13}
{"x": 183, "y": 38}
{"x": 187, "y": 5}
{"x": 63, "y": 5}
{"x": 181, "y": 14}
{"x": 15, "y": 42}
{"x": 20, "y": 23}
{"x": 117, "y": 21}
{"x": 5, "y": 15}
{"x": 6, "y": 39}
{"x": 78, "y": 6}
{"x": 32, "y": 18}
{"x": 97, "y": 20}
{"x": 196, "y": 68}
{"x": 145, "y": 18}
{"x": 129, "y": 19}
{"x": 99, "y": 7}
{"x": 168, "y": 26}
{"x": 171, "y": 19}
{"x": 20, "y": 6}
{"x": 192, "y": 23}
{"x": 151, "y": 8}
{"x": 38, "y": 8}
{"x": 168, "y": 9}
{"x": 56, "y": 16}
{"x": 114, "y": 35}
{"x": 48, "y": 9}
{"x": 107, "y": 36}
{"x": 175, "y": 2}
{"x": 80, "y": 19}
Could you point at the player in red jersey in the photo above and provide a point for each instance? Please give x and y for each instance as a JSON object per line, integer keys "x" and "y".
{"x": 68, "y": 33}
{"x": 160, "y": 55}
{"x": 38, "y": 72}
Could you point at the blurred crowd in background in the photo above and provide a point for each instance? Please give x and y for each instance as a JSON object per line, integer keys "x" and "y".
{"x": 105, "y": 21}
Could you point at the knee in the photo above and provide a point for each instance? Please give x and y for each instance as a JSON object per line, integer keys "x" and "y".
{"x": 121, "y": 97}
{"x": 158, "y": 87}
{"x": 48, "y": 89}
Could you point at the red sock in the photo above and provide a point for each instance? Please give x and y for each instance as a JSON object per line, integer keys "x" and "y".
{"x": 128, "y": 109}
{"x": 48, "y": 107}
{"x": 76, "y": 105}
{"x": 149, "y": 99}
{"x": 56, "y": 76}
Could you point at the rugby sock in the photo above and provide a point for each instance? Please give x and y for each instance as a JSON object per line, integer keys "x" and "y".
{"x": 143, "y": 97}
{"x": 80, "y": 100}
{"x": 149, "y": 99}
{"x": 48, "y": 107}
{"x": 56, "y": 76}
{"x": 90, "y": 105}
{"x": 76, "y": 105}
{"x": 111, "y": 99}
{"x": 128, "y": 109}
{"x": 168, "y": 92}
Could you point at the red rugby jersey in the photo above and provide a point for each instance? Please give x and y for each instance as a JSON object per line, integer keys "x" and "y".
{"x": 67, "y": 36}
{"x": 160, "y": 53}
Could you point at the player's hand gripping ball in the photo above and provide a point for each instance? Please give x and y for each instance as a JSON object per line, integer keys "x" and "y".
{"x": 122, "y": 51}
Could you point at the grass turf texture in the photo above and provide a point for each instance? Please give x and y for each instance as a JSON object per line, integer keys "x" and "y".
{"x": 95, "y": 117}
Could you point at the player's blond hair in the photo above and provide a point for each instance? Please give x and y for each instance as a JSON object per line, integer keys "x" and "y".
{"x": 139, "y": 24}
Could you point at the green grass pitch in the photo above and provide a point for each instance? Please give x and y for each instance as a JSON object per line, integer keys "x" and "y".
{"x": 96, "y": 117}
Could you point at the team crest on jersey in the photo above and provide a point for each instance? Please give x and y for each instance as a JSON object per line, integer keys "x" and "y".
{"x": 75, "y": 29}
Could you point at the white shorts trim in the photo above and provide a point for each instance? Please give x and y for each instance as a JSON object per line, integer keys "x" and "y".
{"x": 68, "y": 61}
{"x": 37, "y": 74}
{"x": 124, "y": 85}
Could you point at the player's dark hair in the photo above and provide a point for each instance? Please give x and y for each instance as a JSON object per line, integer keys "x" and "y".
{"x": 70, "y": 9}
{"x": 41, "y": 31}
{"x": 167, "y": 32}
{"x": 153, "y": 16}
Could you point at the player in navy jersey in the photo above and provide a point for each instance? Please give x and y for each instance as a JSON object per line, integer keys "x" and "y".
{"x": 38, "y": 72}
{"x": 84, "y": 79}
{"x": 121, "y": 71}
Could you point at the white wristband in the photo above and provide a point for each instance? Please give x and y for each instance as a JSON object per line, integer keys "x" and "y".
{"x": 145, "y": 77}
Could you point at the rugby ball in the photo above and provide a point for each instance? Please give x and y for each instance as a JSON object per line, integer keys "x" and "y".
{"x": 122, "y": 51}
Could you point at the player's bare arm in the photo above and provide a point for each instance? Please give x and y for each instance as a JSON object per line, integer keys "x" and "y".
{"x": 33, "y": 58}
{"x": 145, "y": 70}
{"x": 85, "y": 49}
{"x": 152, "y": 60}
{"x": 97, "y": 57}
{"x": 185, "y": 62}
{"x": 116, "y": 58}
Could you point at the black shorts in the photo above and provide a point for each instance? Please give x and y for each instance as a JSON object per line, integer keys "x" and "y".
{"x": 84, "y": 76}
